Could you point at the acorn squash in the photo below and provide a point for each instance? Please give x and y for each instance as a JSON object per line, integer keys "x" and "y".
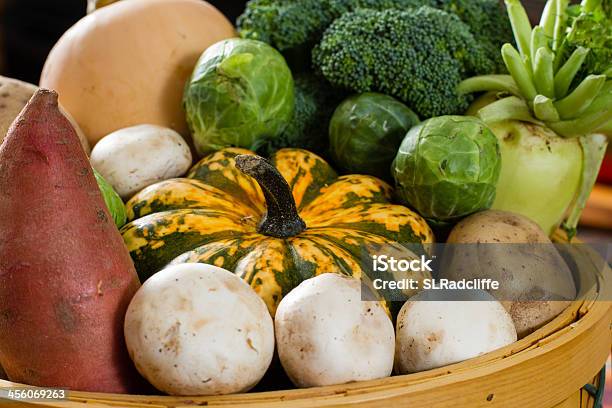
{"x": 274, "y": 223}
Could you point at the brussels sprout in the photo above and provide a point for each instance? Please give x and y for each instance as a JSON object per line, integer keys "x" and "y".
{"x": 448, "y": 167}
{"x": 365, "y": 132}
{"x": 113, "y": 201}
{"x": 240, "y": 94}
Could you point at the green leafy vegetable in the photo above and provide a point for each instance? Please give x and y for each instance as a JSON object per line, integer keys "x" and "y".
{"x": 241, "y": 94}
{"x": 448, "y": 167}
{"x": 366, "y": 131}
{"x": 113, "y": 201}
{"x": 589, "y": 27}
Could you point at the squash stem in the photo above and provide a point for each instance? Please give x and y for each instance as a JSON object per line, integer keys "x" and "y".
{"x": 282, "y": 219}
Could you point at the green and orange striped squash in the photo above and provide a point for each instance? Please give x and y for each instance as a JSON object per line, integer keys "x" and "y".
{"x": 274, "y": 223}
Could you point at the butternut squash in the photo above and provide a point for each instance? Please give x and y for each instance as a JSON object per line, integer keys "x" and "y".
{"x": 127, "y": 63}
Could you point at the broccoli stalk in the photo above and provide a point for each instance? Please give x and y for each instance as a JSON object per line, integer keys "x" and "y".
{"x": 418, "y": 56}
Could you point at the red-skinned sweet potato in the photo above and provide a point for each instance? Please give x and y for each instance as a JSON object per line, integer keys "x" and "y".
{"x": 66, "y": 277}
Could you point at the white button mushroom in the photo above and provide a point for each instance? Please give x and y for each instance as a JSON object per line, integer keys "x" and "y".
{"x": 196, "y": 329}
{"x": 327, "y": 335}
{"x": 133, "y": 158}
{"x": 436, "y": 328}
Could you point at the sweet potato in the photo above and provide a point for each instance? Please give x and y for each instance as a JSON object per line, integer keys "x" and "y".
{"x": 66, "y": 278}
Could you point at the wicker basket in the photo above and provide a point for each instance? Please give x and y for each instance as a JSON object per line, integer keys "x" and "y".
{"x": 547, "y": 369}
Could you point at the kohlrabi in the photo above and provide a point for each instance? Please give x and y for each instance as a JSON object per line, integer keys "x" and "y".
{"x": 552, "y": 114}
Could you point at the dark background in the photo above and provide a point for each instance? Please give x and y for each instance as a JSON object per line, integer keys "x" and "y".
{"x": 29, "y": 28}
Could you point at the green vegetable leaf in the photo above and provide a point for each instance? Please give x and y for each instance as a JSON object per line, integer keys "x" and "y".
{"x": 588, "y": 122}
{"x": 113, "y": 201}
{"x": 560, "y": 21}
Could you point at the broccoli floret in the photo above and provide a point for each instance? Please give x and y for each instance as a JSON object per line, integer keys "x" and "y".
{"x": 315, "y": 102}
{"x": 418, "y": 56}
{"x": 488, "y": 22}
{"x": 295, "y": 26}
{"x": 284, "y": 24}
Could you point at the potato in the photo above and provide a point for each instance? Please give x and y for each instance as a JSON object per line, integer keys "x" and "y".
{"x": 327, "y": 335}
{"x": 494, "y": 226}
{"x": 14, "y": 95}
{"x": 196, "y": 329}
{"x": 535, "y": 282}
{"x": 133, "y": 158}
{"x": 436, "y": 328}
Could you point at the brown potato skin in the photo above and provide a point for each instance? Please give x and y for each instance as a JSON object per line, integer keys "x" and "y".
{"x": 494, "y": 226}
{"x": 544, "y": 282}
{"x": 66, "y": 277}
